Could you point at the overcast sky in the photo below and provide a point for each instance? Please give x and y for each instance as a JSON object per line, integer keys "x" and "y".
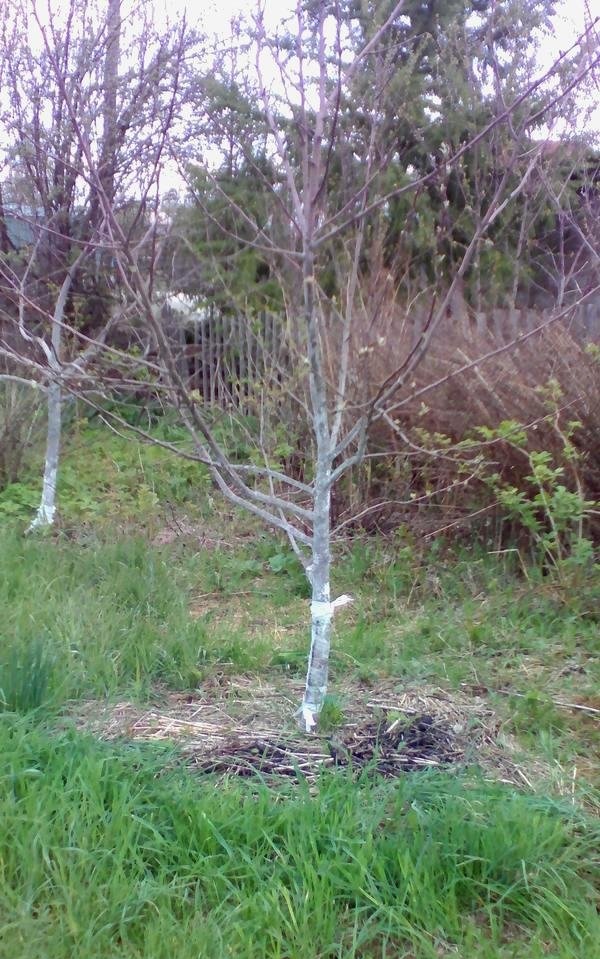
{"x": 568, "y": 24}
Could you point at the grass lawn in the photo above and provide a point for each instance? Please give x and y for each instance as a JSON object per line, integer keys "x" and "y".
{"x": 113, "y": 843}
{"x": 121, "y": 852}
{"x": 121, "y": 849}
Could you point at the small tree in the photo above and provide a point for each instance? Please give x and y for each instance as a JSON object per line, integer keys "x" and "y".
{"x": 59, "y": 287}
{"x": 325, "y": 200}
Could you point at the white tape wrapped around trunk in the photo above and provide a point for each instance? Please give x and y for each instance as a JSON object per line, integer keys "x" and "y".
{"x": 309, "y": 718}
{"x": 321, "y": 614}
{"x": 321, "y": 610}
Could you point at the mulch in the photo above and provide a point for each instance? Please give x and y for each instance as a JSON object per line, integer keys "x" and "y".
{"x": 242, "y": 726}
{"x": 387, "y": 748}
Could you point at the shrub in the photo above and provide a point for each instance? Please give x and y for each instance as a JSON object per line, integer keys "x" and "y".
{"x": 431, "y": 466}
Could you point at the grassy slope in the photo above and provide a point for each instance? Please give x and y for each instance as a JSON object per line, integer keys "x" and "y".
{"x": 114, "y": 851}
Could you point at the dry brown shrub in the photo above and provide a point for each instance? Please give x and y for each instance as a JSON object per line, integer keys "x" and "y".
{"x": 415, "y": 474}
{"x": 21, "y": 428}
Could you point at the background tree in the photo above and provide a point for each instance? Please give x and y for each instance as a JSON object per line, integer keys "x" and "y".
{"x": 66, "y": 82}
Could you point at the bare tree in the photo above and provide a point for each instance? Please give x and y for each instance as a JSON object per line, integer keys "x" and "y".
{"x": 59, "y": 286}
{"x": 304, "y": 80}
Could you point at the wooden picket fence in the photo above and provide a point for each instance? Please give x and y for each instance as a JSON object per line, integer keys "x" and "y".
{"x": 232, "y": 360}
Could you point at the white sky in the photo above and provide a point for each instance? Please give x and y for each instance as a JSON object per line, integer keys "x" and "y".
{"x": 569, "y": 23}
{"x": 214, "y": 17}
{"x": 216, "y": 14}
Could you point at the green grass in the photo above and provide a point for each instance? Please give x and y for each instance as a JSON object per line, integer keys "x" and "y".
{"x": 120, "y": 851}
{"x": 25, "y": 676}
{"x": 115, "y": 851}
{"x": 110, "y": 616}
{"x": 105, "y": 618}
{"x": 104, "y": 475}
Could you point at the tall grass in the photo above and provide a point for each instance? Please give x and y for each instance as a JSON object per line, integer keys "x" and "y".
{"x": 25, "y": 676}
{"x": 101, "y": 618}
{"x": 109, "y": 616}
{"x": 110, "y": 852}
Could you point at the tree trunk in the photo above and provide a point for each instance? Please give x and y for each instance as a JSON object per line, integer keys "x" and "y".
{"x": 321, "y": 607}
{"x": 47, "y": 508}
{"x": 111, "y": 85}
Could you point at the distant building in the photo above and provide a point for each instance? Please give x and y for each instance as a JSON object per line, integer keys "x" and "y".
{"x": 18, "y": 227}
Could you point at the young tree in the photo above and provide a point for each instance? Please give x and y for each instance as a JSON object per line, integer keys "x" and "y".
{"x": 67, "y": 82}
{"x": 328, "y": 183}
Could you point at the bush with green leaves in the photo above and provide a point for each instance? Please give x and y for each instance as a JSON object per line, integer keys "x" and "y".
{"x": 549, "y": 504}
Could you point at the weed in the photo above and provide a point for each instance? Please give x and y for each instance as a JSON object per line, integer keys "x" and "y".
{"x": 534, "y": 712}
{"x": 25, "y": 677}
{"x": 292, "y": 661}
{"x": 287, "y": 564}
{"x": 332, "y": 715}
{"x": 550, "y": 507}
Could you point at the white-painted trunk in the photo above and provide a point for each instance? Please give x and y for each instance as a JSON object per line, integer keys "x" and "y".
{"x": 47, "y": 508}
{"x": 317, "y": 676}
{"x": 321, "y": 608}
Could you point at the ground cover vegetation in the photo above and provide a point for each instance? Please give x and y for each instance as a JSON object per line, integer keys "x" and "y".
{"x": 115, "y": 844}
{"x": 357, "y": 354}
